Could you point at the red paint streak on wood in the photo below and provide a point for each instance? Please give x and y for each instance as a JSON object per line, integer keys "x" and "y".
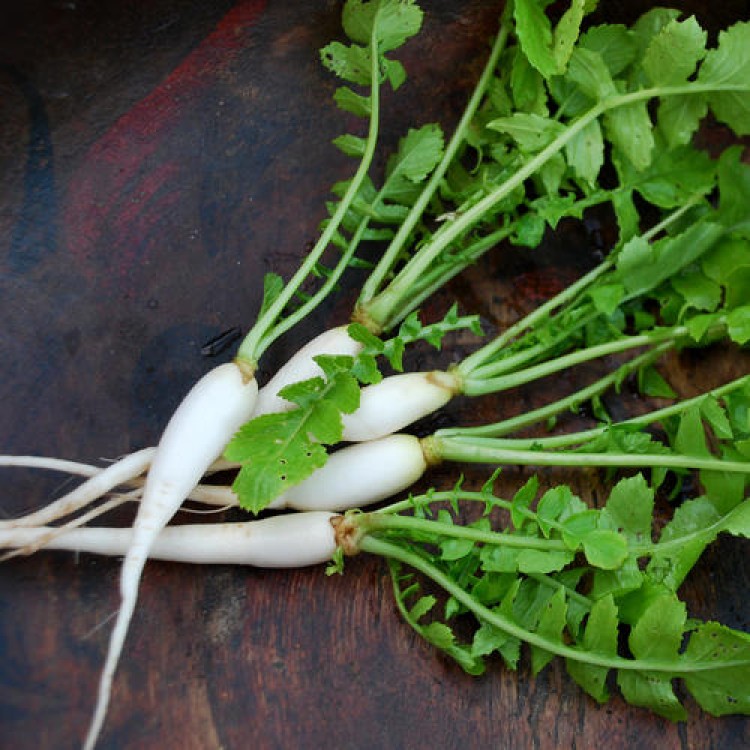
{"x": 127, "y": 182}
{"x": 542, "y": 284}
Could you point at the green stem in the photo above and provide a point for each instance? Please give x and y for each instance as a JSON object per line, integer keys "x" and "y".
{"x": 649, "y": 418}
{"x": 391, "y": 255}
{"x": 440, "y": 497}
{"x": 479, "y": 387}
{"x": 374, "y": 522}
{"x": 391, "y": 551}
{"x": 435, "y": 279}
{"x": 569, "y": 403}
{"x": 474, "y": 363}
{"x": 492, "y": 451}
{"x": 263, "y": 333}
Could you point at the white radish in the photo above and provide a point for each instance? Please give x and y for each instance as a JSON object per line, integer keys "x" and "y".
{"x": 215, "y": 408}
{"x": 302, "y": 366}
{"x": 284, "y": 541}
{"x": 398, "y": 401}
{"x": 359, "y": 475}
{"x": 102, "y": 482}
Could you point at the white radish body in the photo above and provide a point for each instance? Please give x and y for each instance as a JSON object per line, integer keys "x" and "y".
{"x": 285, "y": 541}
{"x": 359, "y": 475}
{"x": 120, "y": 472}
{"x": 215, "y": 408}
{"x": 396, "y": 402}
{"x": 301, "y": 366}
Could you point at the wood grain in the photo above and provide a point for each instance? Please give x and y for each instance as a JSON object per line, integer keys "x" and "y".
{"x": 155, "y": 163}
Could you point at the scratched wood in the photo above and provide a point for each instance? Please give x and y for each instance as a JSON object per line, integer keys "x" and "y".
{"x": 155, "y": 163}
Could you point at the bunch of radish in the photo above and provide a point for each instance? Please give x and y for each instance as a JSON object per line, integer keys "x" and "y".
{"x": 533, "y": 170}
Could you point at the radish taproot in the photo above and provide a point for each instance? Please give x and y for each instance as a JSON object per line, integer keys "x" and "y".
{"x": 217, "y": 405}
{"x": 295, "y": 540}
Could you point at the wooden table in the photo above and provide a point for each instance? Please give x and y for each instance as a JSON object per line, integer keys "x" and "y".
{"x": 157, "y": 159}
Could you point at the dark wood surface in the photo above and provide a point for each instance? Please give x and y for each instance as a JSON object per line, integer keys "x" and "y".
{"x": 155, "y": 160}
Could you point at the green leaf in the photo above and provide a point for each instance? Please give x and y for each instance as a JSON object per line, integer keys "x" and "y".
{"x": 738, "y": 325}
{"x": 395, "y": 73}
{"x": 605, "y": 549}
{"x": 419, "y": 152}
{"x": 585, "y": 153}
{"x": 729, "y": 66}
{"x": 455, "y": 549}
{"x": 522, "y": 501}
{"x": 617, "y": 582}
{"x": 725, "y": 489}
{"x": 351, "y": 145}
{"x": 649, "y": 25}
{"x": 531, "y": 132}
{"x": 674, "y": 52}
{"x": 548, "y": 50}
{"x": 588, "y": 71}
{"x": 273, "y": 285}
{"x": 626, "y": 214}
{"x": 651, "y": 383}
{"x": 630, "y": 508}
{"x": 423, "y": 605}
{"x": 530, "y": 230}
{"x": 526, "y": 85}
{"x": 566, "y": 33}
{"x": 349, "y": 101}
{"x": 551, "y": 507}
{"x": 682, "y": 542}
{"x": 534, "y": 32}
{"x": 538, "y": 562}
{"x": 277, "y": 451}
{"x": 656, "y": 636}
{"x": 613, "y": 43}
{"x": 729, "y": 256}
{"x": 441, "y": 636}
{"x": 678, "y": 118}
{"x": 349, "y": 62}
{"x": 698, "y": 291}
{"x": 394, "y": 21}
{"x": 630, "y": 130}
{"x": 725, "y": 688}
{"x": 489, "y": 638}
{"x": 607, "y": 297}
{"x": 737, "y": 521}
{"x": 600, "y": 637}
{"x": 691, "y": 435}
{"x": 734, "y": 191}
{"x": 716, "y": 417}
{"x": 642, "y": 266}
{"x": 673, "y": 178}
{"x": 551, "y": 626}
